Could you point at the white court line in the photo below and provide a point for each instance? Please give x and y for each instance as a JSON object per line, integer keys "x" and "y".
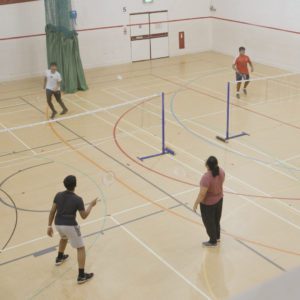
{"x": 216, "y": 132}
{"x": 243, "y": 182}
{"x": 19, "y": 140}
{"x": 162, "y": 260}
{"x": 102, "y": 218}
{"x": 70, "y": 117}
{"x": 13, "y": 105}
{"x": 14, "y": 112}
{"x": 125, "y": 133}
{"x": 251, "y": 201}
{"x": 84, "y": 145}
{"x": 284, "y": 162}
{"x": 206, "y": 89}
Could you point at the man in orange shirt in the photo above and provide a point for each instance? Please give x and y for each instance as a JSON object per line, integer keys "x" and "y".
{"x": 240, "y": 66}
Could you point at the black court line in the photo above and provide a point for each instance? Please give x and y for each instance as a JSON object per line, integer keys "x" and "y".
{"x": 19, "y": 97}
{"x": 262, "y": 256}
{"x": 13, "y": 106}
{"x": 44, "y": 251}
{"x": 130, "y": 170}
{"x": 16, "y": 218}
{"x": 53, "y": 248}
{"x": 16, "y": 173}
{"x": 38, "y": 147}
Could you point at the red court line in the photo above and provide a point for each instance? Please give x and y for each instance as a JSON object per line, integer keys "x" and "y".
{"x": 168, "y": 21}
{"x": 171, "y": 177}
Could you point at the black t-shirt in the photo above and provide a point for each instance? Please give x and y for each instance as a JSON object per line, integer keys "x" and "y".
{"x": 67, "y": 204}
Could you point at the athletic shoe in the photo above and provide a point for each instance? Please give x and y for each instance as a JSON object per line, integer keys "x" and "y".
{"x": 238, "y": 96}
{"x": 60, "y": 261}
{"x": 65, "y": 110}
{"x": 245, "y": 91}
{"x": 209, "y": 244}
{"x": 53, "y": 114}
{"x": 85, "y": 278}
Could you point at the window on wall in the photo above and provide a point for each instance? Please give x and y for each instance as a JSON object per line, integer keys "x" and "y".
{"x": 14, "y": 1}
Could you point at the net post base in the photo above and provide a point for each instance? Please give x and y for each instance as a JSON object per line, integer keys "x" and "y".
{"x": 166, "y": 151}
{"x": 226, "y": 139}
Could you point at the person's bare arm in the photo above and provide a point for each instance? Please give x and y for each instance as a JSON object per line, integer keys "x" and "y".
{"x": 234, "y": 67}
{"x": 50, "y": 220}
{"x": 85, "y": 213}
{"x": 201, "y": 197}
{"x": 251, "y": 66}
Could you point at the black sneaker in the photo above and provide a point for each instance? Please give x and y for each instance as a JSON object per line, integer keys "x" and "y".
{"x": 53, "y": 114}
{"x": 84, "y": 278}
{"x": 209, "y": 244}
{"x": 60, "y": 261}
{"x": 65, "y": 110}
{"x": 245, "y": 91}
{"x": 238, "y": 96}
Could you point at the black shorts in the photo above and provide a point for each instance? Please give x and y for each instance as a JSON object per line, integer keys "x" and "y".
{"x": 240, "y": 76}
{"x": 56, "y": 94}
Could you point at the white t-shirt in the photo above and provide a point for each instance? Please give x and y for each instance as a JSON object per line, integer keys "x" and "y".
{"x": 52, "y": 80}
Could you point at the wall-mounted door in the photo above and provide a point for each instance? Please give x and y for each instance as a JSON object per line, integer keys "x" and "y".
{"x": 159, "y": 31}
{"x": 140, "y": 42}
{"x": 149, "y": 35}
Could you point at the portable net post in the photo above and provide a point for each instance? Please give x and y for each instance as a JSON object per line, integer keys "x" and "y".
{"x": 227, "y": 134}
{"x": 164, "y": 149}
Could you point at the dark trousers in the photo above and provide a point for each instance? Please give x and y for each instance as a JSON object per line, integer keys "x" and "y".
{"x": 57, "y": 96}
{"x": 211, "y": 217}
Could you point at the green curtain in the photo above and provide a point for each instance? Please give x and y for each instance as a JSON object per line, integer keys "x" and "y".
{"x": 63, "y": 46}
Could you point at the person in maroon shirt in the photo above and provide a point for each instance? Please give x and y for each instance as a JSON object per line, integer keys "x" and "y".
{"x": 210, "y": 199}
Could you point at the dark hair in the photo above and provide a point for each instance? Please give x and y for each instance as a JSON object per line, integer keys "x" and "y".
{"x": 70, "y": 182}
{"x": 53, "y": 64}
{"x": 212, "y": 164}
{"x": 242, "y": 49}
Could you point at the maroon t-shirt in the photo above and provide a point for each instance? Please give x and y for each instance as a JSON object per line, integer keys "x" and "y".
{"x": 214, "y": 185}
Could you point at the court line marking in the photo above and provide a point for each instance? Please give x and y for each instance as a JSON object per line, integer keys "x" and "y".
{"x": 12, "y": 106}
{"x": 251, "y": 186}
{"x": 254, "y": 104}
{"x": 211, "y": 130}
{"x": 100, "y": 219}
{"x": 14, "y": 112}
{"x": 19, "y": 140}
{"x": 247, "y": 199}
{"x": 162, "y": 260}
{"x": 35, "y": 148}
{"x": 82, "y": 145}
{"x": 216, "y": 132}
{"x": 119, "y": 163}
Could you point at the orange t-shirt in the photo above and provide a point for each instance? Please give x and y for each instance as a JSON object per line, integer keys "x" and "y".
{"x": 241, "y": 63}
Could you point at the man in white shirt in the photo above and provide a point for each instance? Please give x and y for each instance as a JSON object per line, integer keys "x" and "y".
{"x": 52, "y": 83}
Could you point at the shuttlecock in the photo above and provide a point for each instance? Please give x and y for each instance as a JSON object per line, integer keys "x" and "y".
{"x": 119, "y": 77}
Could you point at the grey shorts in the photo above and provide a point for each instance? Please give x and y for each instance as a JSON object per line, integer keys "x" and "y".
{"x": 71, "y": 233}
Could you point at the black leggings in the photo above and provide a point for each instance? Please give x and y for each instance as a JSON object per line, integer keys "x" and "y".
{"x": 57, "y": 96}
{"x": 211, "y": 217}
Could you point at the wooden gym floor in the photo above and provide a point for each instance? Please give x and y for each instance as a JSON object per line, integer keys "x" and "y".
{"x": 143, "y": 240}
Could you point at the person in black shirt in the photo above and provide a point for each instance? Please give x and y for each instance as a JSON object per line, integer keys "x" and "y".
{"x": 64, "y": 209}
